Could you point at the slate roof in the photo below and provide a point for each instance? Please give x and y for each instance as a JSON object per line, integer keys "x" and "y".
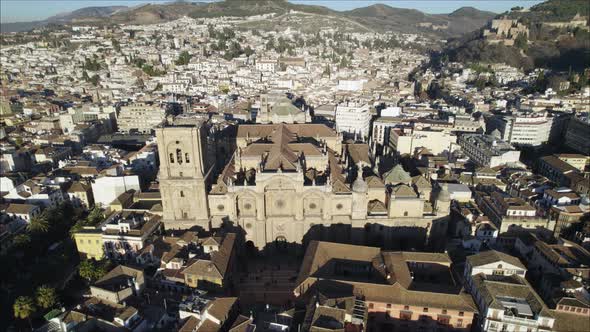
{"x": 493, "y": 288}
{"x": 16, "y": 208}
{"x": 492, "y": 256}
{"x": 389, "y": 282}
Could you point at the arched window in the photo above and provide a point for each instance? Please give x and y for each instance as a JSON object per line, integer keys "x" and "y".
{"x": 405, "y": 213}
{"x": 181, "y": 193}
{"x": 172, "y": 158}
{"x": 179, "y": 156}
{"x": 186, "y": 158}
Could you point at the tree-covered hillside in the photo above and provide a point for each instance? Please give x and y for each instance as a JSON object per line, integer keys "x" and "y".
{"x": 549, "y": 46}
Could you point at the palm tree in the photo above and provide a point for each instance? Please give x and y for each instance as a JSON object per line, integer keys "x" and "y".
{"x": 38, "y": 224}
{"x": 95, "y": 216}
{"x": 23, "y": 308}
{"x": 21, "y": 240}
{"x": 46, "y": 297}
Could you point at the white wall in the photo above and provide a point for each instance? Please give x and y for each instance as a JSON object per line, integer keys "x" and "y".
{"x": 106, "y": 189}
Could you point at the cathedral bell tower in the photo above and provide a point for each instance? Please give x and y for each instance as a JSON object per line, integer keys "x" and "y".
{"x": 183, "y": 175}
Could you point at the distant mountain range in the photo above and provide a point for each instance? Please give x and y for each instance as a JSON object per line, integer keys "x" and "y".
{"x": 88, "y": 13}
{"x": 383, "y": 17}
{"x": 375, "y": 17}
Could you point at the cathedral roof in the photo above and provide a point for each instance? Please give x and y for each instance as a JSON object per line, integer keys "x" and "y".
{"x": 281, "y": 157}
{"x": 374, "y": 182}
{"x": 358, "y": 152}
{"x": 420, "y": 182}
{"x": 376, "y": 206}
{"x": 403, "y": 190}
{"x": 282, "y": 135}
{"x": 283, "y": 107}
{"x": 337, "y": 177}
{"x": 397, "y": 175}
{"x": 339, "y": 187}
{"x": 300, "y": 130}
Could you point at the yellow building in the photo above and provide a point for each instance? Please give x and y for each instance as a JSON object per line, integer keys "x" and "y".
{"x": 202, "y": 273}
{"x": 81, "y": 195}
{"x": 578, "y": 161}
{"x": 89, "y": 243}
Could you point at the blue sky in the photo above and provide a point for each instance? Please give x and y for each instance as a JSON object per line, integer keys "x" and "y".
{"x": 29, "y": 10}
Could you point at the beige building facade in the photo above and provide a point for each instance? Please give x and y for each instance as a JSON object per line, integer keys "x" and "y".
{"x": 281, "y": 182}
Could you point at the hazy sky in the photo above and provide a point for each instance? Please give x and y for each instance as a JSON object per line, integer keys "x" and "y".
{"x": 29, "y": 10}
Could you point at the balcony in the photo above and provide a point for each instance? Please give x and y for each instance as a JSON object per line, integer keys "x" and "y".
{"x": 520, "y": 321}
{"x": 524, "y": 322}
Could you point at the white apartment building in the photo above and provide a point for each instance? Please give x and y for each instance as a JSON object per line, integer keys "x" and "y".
{"x": 140, "y": 117}
{"x": 351, "y": 85}
{"x": 406, "y": 141}
{"x": 107, "y": 115}
{"x": 381, "y": 128}
{"x": 466, "y": 124}
{"x": 266, "y": 65}
{"x": 510, "y": 304}
{"x": 486, "y": 150}
{"x": 354, "y": 119}
{"x": 176, "y": 87}
{"x": 490, "y": 263}
{"x": 506, "y": 301}
{"x": 523, "y": 129}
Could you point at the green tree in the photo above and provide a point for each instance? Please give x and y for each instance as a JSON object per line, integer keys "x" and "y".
{"x": 116, "y": 45}
{"x": 95, "y": 79}
{"x": 23, "y": 308}
{"x": 327, "y": 71}
{"x": 541, "y": 82}
{"x": 91, "y": 271}
{"x": 21, "y": 240}
{"x": 86, "y": 270}
{"x": 248, "y": 51}
{"x": 38, "y": 224}
{"x": 480, "y": 84}
{"x": 91, "y": 64}
{"x": 183, "y": 59}
{"x": 46, "y": 297}
{"x": 270, "y": 45}
{"x": 151, "y": 71}
{"x": 521, "y": 41}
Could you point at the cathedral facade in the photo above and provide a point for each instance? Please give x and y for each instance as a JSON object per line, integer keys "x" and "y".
{"x": 284, "y": 180}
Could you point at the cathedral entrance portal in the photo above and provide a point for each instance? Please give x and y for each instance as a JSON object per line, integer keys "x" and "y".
{"x": 281, "y": 243}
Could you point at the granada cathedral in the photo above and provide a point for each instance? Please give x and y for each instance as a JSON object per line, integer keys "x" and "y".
{"x": 287, "y": 182}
